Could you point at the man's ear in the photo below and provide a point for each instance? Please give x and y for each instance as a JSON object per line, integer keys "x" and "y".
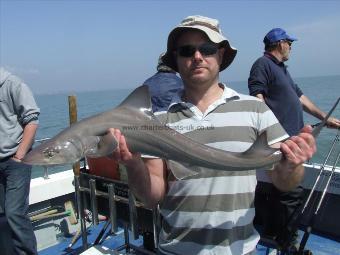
{"x": 279, "y": 47}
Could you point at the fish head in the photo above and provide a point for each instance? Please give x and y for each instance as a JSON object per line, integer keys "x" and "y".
{"x": 55, "y": 152}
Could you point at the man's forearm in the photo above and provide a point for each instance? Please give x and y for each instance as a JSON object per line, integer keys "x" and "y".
{"x": 146, "y": 177}
{"x": 288, "y": 173}
{"x": 311, "y": 108}
{"x": 146, "y": 187}
{"x": 27, "y": 140}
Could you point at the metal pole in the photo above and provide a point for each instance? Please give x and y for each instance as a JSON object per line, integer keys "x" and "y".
{"x": 93, "y": 198}
{"x": 81, "y": 212}
{"x": 112, "y": 208}
{"x": 133, "y": 215}
{"x": 155, "y": 225}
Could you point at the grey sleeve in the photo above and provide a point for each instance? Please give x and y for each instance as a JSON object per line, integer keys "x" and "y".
{"x": 25, "y": 105}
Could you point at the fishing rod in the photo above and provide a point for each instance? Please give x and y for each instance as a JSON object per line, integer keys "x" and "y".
{"x": 295, "y": 219}
{"x": 318, "y": 128}
{"x": 310, "y": 226}
{"x": 336, "y": 139}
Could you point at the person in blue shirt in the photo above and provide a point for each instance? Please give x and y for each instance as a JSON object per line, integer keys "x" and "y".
{"x": 162, "y": 86}
{"x": 270, "y": 81}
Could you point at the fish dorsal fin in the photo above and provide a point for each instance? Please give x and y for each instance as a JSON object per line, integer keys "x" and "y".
{"x": 139, "y": 99}
{"x": 260, "y": 147}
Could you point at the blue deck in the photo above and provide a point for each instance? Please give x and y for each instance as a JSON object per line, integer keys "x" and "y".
{"x": 318, "y": 245}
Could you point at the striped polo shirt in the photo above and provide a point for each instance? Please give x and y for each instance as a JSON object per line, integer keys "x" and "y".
{"x": 212, "y": 212}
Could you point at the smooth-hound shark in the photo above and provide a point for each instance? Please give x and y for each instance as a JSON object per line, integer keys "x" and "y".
{"x": 87, "y": 138}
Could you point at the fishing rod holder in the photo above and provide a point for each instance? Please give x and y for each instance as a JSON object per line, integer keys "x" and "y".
{"x": 113, "y": 199}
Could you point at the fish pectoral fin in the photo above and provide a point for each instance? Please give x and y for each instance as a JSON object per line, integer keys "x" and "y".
{"x": 181, "y": 170}
{"x": 99, "y": 146}
{"x": 260, "y": 148}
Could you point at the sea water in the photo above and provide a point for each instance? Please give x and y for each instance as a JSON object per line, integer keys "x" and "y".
{"x": 54, "y": 117}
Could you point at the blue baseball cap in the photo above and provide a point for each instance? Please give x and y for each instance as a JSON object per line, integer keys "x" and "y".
{"x": 277, "y": 34}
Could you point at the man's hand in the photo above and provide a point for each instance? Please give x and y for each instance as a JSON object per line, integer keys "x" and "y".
{"x": 145, "y": 179}
{"x": 122, "y": 154}
{"x": 17, "y": 159}
{"x": 333, "y": 123}
{"x": 298, "y": 149}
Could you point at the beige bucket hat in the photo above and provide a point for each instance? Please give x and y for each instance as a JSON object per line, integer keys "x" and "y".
{"x": 207, "y": 25}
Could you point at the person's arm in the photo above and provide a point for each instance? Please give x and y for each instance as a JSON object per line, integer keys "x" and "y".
{"x": 260, "y": 96}
{"x": 258, "y": 79}
{"x": 146, "y": 178}
{"x": 26, "y": 142}
{"x": 311, "y": 108}
{"x": 288, "y": 173}
{"x": 27, "y": 113}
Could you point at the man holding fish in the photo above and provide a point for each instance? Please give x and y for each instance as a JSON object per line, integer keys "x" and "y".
{"x": 207, "y": 211}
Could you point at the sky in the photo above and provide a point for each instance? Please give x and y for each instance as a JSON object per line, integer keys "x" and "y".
{"x": 69, "y": 46}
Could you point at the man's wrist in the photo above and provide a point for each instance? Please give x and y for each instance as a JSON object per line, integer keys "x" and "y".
{"x": 134, "y": 163}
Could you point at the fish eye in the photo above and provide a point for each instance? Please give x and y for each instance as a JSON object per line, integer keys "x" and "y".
{"x": 50, "y": 152}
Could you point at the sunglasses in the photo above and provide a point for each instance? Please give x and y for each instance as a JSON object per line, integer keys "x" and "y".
{"x": 206, "y": 49}
{"x": 288, "y": 42}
